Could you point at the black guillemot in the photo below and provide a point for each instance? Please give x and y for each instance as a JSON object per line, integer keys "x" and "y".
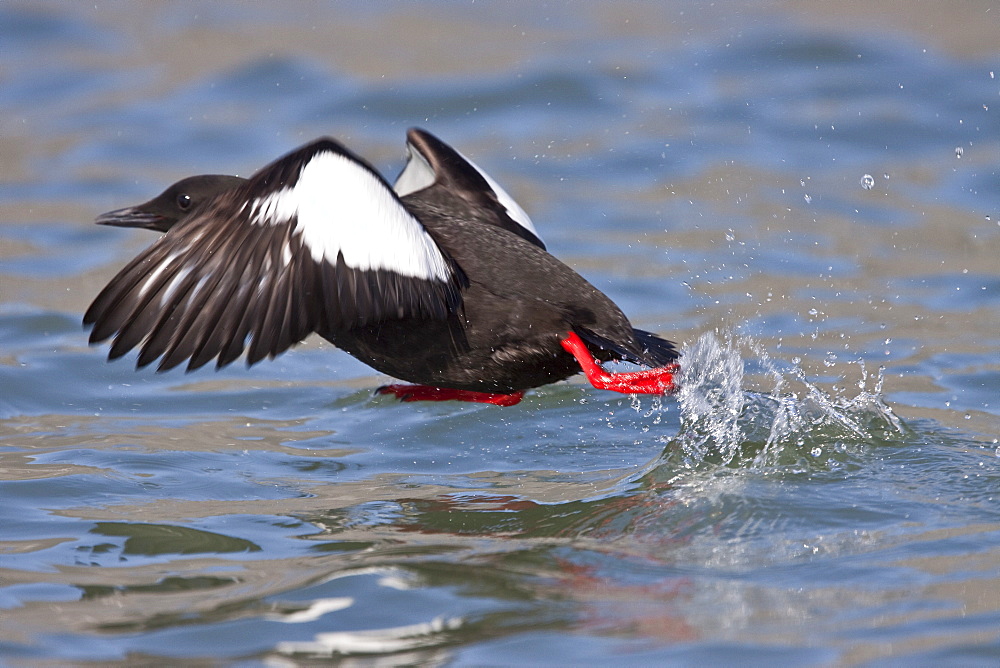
{"x": 440, "y": 280}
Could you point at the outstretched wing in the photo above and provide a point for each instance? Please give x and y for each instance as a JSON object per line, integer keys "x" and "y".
{"x": 315, "y": 241}
{"x": 438, "y": 177}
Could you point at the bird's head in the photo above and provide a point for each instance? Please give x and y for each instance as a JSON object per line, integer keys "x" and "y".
{"x": 173, "y": 204}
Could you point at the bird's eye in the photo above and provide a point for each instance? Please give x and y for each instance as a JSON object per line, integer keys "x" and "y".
{"x": 184, "y": 201}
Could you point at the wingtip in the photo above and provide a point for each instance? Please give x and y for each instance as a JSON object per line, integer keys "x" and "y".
{"x": 432, "y": 149}
{"x": 418, "y": 135}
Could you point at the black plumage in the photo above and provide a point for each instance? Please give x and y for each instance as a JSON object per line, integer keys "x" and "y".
{"x": 447, "y": 286}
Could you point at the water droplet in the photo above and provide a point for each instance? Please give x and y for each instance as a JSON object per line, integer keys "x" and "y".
{"x": 808, "y": 199}
{"x": 959, "y": 151}
{"x": 867, "y": 182}
{"x": 816, "y": 452}
{"x": 813, "y": 311}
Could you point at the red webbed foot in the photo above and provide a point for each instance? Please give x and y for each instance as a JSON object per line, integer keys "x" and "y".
{"x": 431, "y": 393}
{"x": 649, "y": 381}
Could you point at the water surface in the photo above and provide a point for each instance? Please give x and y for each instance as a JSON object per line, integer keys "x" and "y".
{"x": 804, "y": 195}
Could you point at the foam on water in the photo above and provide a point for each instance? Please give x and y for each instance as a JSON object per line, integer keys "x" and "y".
{"x": 796, "y": 423}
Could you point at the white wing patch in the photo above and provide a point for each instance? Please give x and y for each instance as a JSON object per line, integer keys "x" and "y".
{"x": 341, "y": 207}
{"x": 416, "y": 175}
{"x": 514, "y": 210}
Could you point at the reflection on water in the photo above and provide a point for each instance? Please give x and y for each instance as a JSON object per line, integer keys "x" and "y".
{"x": 665, "y": 555}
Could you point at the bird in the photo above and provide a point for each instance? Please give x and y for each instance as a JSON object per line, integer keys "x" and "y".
{"x": 440, "y": 280}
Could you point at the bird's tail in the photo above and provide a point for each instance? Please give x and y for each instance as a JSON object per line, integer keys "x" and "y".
{"x": 658, "y": 352}
{"x": 652, "y": 351}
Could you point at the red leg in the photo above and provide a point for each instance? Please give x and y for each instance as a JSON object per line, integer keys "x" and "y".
{"x": 431, "y": 393}
{"x": 650, "y": 381}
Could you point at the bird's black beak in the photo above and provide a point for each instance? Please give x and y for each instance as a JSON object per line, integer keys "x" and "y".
{"x": 133, "y": 217}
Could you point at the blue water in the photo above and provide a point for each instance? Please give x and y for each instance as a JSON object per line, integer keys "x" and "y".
{"x": 806, "y": 198}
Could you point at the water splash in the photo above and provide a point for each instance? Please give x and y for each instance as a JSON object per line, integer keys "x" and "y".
{"x": 796, "y": 423}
